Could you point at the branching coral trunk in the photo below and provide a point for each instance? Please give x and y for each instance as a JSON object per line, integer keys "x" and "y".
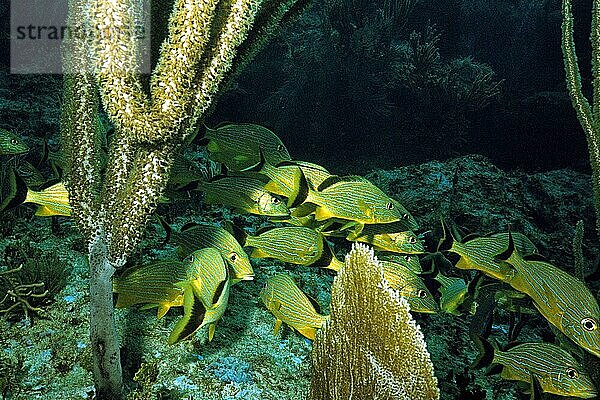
{"x": 207, "y": 43}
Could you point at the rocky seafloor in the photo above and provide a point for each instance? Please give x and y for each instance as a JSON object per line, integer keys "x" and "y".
{"x": 48, "y": 358}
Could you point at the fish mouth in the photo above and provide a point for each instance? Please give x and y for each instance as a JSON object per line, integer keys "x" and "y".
{"x": 589, "y": 395}
{"x": 247, "y": 278}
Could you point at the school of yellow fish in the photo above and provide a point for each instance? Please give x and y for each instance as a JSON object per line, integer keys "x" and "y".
{"x": 308, "y": 207}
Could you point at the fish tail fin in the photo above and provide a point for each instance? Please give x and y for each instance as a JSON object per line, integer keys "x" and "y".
{"x": 238, "y": 233}
{"x": 301, "y": 193}
{"x": 486, "y": 352}
{"x": 202, "y": 138}
{"x": 447, "y": 240}
{"x": 193, "y": 316}
{"x": 510, "y": 250}
{"x": 167, "y": 228}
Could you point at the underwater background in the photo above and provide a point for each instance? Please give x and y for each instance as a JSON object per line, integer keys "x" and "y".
{"x": 456, "y": 110}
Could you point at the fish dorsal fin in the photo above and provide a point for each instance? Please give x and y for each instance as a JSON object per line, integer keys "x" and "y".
{"x": 304, "y": 210}
{"x": 486, "y": 352}
{"x": 506, "y": 254}
{"x": 511, "y": 345}
{"x": 238, "y": 233}
{"x": 332, "y": 180}
{"x": 189, "y": 225}
{"x": 535, "y": 257}
{"x": 447, "y": 240}
{"x": 470, "y": 237}
{"x": 301, "y": 193}
{"x": 264, "y": 229}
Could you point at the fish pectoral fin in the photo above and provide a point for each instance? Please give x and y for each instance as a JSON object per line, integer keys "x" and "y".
{"x": 277, "y": 326}
{"x": 322, "y": 213}
{"x": 211, "y": 331}
{"x": 213, "y": 146}
{"x": 258, "y": 253}
{"x": 162, "y": 310}
{"x": 307, "y": 331}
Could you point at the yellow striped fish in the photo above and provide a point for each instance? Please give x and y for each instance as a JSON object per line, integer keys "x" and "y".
{"x": 205, "y": 294}
{"x": 183, "y": 172}
{"x": 479, "y": 252}
{"x": 195, "y": 236}
{"x": 11, "y": 144}
{"x": 555, "y": 370}
{"x": 293, "y": 244}
{"x": 245, "y": 194}
{"x": 53, "y": 200}
{"x": 406, "y": 242}
{"x": 563, "y": 300}
{"x": 153, "y": 283}
{"x": 409, "y": 261}
{"x": 410, "y": 286}
{"x": 351, "y": 198}
{"x": 289, "y": 304}
{"x": 285, "y": 176}
{"x": 238, "y": 146}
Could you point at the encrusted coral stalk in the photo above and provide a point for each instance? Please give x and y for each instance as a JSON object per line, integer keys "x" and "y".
{"x": 103, "y": 335}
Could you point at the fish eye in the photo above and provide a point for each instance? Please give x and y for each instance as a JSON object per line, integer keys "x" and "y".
{"x": 405, "y": 216}
{"x": 233, "y": 257}
{"x": 389, "y": 206}
{"x": 406, "y": 258}
{"x": 275, "y": 200}
{"x": 422, "y": 294}
{"x": 14, "y": 141}
{"x": 572, "y": 373}
{"x": 279, "y": 147}
{"x": 589, "y": 324}
{"x": 412, "y": 240}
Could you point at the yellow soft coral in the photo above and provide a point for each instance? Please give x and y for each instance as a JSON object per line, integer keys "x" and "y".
{"x": 371, "y": 348}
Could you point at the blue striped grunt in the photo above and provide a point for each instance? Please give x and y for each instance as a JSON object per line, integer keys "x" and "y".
{"x": 554, "y": 369}
{"x": 183, "y": 172}
{"x": 195, "y": 236}
{"x": 153, "y": 283}
{"x": 245, "y": 194}
{"x": 284, "y": 177}
{"x": 410, "y": 286}
{"x": 409, "y": 261}
{"x": 238, "y": 146}
{"x": 205, "y": 294}
{"x": 406, "y": 242}
{"x": 479, "y": 252}
{"x": 11, "y": 144}
{"x": 351, "y": 198}
{"x": 293, "y": 244}
{"x": 289, "y": 304}
{"x": 53, "y": 200}
{"x": 566, "y": 302}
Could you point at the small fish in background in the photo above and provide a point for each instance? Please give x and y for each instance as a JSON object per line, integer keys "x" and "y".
{"x": 183, "y": 172}
{"x": 194, "y": 236}
{"x": 154, "y": 284}
{"x": 454, "y": 292}
{"x": 565, "y": 301}
{"x": 238, "y": 146}
{"x": 245, "y": 194}
{"x": 350, "y": 198}
{"x": 410, "y": 286}
{"x": 11, "y": 144}
{"x": 292, "y": 244}
{"x": 406, "y": 242}
{"x": 205, "y": 294}
{"x": 52, "y": 201}
{"x": 554, "y": 369}
{"x": 409, "y": 261}
{"x": 289, "y": 304}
